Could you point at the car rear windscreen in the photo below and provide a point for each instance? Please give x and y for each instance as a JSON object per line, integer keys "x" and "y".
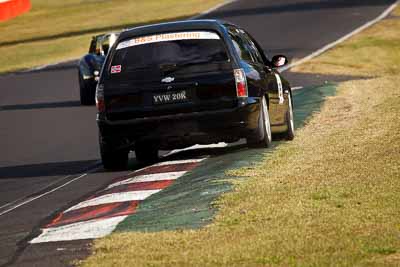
{"x": 163, "y": 50}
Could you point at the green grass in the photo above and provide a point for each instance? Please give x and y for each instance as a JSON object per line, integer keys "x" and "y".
{"x": 375, "y": 54}
{"x": 330, "y": 197}
{"x": 188, "y": 203}
{"x": 61, "y": 30}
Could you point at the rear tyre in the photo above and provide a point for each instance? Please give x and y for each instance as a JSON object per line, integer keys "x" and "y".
{"x": 263, "y": 135}
{"x": 112, "y": 158}
{"x": 146, "y": 153}
{"x": 87, "y": 93}
{"x": 289, "y": 134}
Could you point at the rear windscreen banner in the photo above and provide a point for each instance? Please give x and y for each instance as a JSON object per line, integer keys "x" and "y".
{"x": 165, "y": 37}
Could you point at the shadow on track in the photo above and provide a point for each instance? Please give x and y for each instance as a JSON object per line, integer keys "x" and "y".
{"x": 47, "y": 169}
{"x": 65, "y": 104}
{"x": 300, "y": 7}
{"x": 306, "y": 102}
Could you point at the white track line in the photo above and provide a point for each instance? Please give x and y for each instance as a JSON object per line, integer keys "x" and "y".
{"x": 40, "y": 190}
{"x": 29, "y": 200}
{"x": 138, "y": 170}
{"x": 221, "y": 144}
{"x": 296, "y": 63}
{"x": 81, "y": 230}
{"x": 114, "y": 198}
{"x": 175, "y": 162}
{"x": 342, "y": 39}
{"x": 149, "y": 178}
{"x": 297, "y": 88}
{"x": 12, "y": 202}
{"x": 166, "y": 163}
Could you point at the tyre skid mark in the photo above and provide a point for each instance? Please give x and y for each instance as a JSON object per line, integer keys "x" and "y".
{"x": 99, "y": 215}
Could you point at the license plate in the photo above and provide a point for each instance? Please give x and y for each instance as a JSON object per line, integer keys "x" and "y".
{"x": 171, "y": 97}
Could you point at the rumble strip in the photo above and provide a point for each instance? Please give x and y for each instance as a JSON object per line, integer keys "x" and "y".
{"x": 100, "y": 214}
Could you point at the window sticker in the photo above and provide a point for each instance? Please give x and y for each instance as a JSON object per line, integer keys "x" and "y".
{"x": 116, "y": 69}
{"x": 165, "y": 37}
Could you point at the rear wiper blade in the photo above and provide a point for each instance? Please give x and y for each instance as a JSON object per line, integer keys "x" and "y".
{"x": 139, "y": 67}
{"x": 167, "y": 66}
{"x": 178, "y": 66}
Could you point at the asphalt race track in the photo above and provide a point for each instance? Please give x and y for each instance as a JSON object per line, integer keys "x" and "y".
{"x": 49, "y": 152}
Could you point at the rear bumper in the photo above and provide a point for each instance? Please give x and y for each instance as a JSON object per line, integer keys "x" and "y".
{"x": 186, "y": 128}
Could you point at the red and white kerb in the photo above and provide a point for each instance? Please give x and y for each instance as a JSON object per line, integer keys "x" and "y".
{"x": 99, "y": 214}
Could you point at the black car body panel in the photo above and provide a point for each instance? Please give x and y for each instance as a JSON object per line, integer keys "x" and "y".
{"x": 129, "y": 100}
{"x": 184, "y": 129}
{"x": 211, "y": 111}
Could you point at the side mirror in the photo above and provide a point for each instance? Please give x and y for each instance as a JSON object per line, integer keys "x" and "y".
{"x": 279, "y": 61}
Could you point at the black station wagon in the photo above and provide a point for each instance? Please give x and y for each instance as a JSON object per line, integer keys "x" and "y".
{"x": 177, "y": 84}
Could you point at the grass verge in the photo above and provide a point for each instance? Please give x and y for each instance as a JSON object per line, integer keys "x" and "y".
{"x": 61, "y": 30}
{"x": 188, "y": 203}
{"x": 330, "y": 197}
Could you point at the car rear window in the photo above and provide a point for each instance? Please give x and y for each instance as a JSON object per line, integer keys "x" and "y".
{"x": 176, "y": 48}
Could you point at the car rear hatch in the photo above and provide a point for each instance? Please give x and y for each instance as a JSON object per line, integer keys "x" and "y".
{"x": 167, "y": 74}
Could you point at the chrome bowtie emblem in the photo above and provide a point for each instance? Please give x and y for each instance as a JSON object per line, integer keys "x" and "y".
{"x": 168, "y": 80}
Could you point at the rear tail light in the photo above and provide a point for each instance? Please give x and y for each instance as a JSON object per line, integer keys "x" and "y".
{"x": 241, "y": 83}
{"x": 100, "y": 98}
